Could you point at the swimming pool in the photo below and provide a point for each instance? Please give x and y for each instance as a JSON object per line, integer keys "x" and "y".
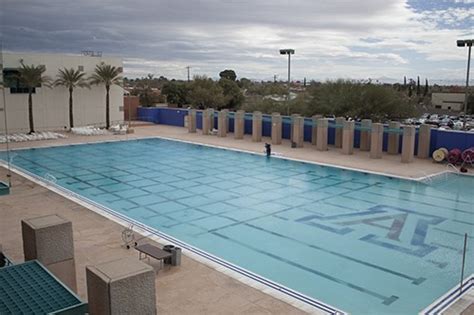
{"x": 366, "y": 244}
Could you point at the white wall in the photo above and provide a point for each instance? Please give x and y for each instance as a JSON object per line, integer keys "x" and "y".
{"x": 451, "y": 101}
{"x": 51, "y": 106}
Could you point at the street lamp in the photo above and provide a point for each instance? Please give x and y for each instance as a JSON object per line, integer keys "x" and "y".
{"x": 288, "y": 52}
{"x": 468, "y": 43}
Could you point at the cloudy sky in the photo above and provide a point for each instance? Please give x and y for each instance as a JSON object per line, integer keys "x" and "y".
{"x": 332, "y": 38}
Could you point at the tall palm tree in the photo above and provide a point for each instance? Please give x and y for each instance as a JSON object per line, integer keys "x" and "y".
{"x": 71, "y": 78}
{"x": 107, "y": 75}
{"x": 32, "y": 77}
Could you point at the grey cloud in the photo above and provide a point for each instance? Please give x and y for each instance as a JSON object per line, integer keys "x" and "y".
{"x": 210, "y": 34}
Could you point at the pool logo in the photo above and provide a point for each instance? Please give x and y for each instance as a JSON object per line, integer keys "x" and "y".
{"x": 392, "y": 228}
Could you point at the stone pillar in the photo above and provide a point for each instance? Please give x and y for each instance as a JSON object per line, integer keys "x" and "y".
{"x": 292, "y": 121}
{"x": 257, "y": 127}
{"x": 408, "y": 144}
{"x": 322, "y": 137}
{"x": 222, "y": 123}
{"x": 211, "y": 115}
{"x": 297, "y": 130}
{"x": 348, "y": 137}
{"x": 206, "y": 121}
{"x": 239, "y": 123}
{"x": 276, "y": 128}
{"x": 393, "y": 138}
{"x": 424, "y": 139}
{"x": 338, "y": 132}
{"x": 123, "y": 286}
{"x": 314, "y": 129}
{"x": 226, "y": 119}
{"x": 192, "y": 120}
{"x": 376, "y": 141}
{"x": 49, "y": 239}
{"x": 364, "y": 145}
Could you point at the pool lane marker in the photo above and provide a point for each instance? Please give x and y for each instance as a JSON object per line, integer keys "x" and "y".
{"x": 120, "y": 218}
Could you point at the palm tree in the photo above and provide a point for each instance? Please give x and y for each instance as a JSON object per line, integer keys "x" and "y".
{"x": 107, "y": 75}
{"x": 71, "y": 78}
{"x": 32, "y": 77}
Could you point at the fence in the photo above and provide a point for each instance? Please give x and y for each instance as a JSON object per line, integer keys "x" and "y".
{"x": 176, "y": 117}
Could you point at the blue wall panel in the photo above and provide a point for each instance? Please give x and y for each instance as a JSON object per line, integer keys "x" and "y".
{"x": 266, "y": 126}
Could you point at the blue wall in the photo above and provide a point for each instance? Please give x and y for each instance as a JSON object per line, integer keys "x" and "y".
{"x": 175, "y": 117}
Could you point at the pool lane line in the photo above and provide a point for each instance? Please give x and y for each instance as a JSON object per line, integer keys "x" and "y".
{"x": 95, "y": 206}
{"x": 386, "y": 300}
{"x": 414, "y": 280}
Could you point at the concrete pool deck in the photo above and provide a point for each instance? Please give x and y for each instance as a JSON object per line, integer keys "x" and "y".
{"x": 197, "y": 287}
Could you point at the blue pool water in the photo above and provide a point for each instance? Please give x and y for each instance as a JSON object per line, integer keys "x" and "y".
{"x": 366, "y": 244}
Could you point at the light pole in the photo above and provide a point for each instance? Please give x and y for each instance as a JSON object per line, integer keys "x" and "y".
{"x": 468, "y": 43}
{"x": 288, "y": 52}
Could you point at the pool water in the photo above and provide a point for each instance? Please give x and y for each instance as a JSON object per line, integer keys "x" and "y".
{"x": 366, "y": 244}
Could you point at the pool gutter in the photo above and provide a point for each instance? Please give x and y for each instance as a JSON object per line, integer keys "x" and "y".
{"x": 444, "y": 302}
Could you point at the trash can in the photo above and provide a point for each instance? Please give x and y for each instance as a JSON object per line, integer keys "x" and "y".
{"x": 175, "y": 259}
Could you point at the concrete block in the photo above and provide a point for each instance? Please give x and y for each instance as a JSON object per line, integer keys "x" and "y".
{"x": 365, "y": 135}
{"x": 47, "y": 238}
{"x": 393, "y": 138}
{"x": 376, "y": 141}
{"x": 123, "y": 286}
{"x": 314, "y": 129}
{"x": 338, "y": 132}
{"x": 348, "y": 137}
{"x": 322, "y": 136}
{"x": 257, "y": 127}
{"x": 297, "y": 130}
{"x": 239, "y": 124}
{"x": 192, "y": 120}
{"x": 408, "y": 144}
{"x": 424, "y": 138}
{"x": 276, "y": 128}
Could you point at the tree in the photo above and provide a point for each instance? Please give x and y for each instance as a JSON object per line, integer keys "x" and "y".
{"x": 418, "y": 88}
{"x": 426, "y": 88}
{"x": 356, "y": 99}
{"x": 32, "y": 77}
{"x": 71, "y": 78}
{"x": 404, "y": 82}
{"x": 233, "y": 96}
{"x": 204, "y": 93}
{"x": 244, "y": 83}
{"x": 107, "y": 75}
{"x": 176, "y": 93}
{"x": 228, "y": 74}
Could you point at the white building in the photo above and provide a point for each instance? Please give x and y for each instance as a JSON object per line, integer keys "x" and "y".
{"x": 448, "y": 101}
{"x": 51, "y": 105}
